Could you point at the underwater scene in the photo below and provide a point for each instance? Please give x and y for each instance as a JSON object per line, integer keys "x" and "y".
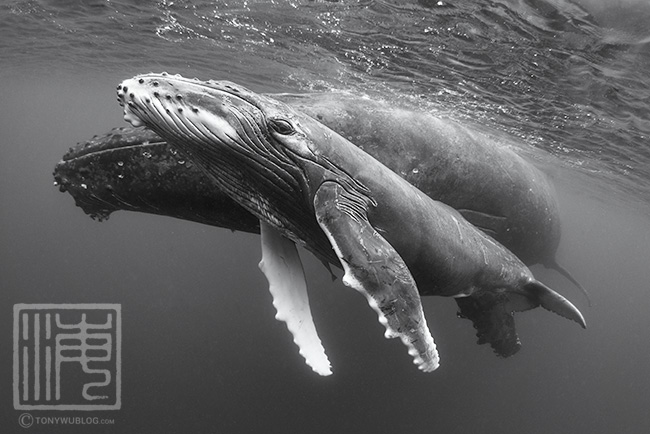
{"x": 492, "y": 156}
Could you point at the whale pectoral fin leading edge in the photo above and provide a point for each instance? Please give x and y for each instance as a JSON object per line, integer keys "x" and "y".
{"x": 374, "y": 268}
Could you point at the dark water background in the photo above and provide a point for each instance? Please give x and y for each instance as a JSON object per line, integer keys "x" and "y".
{"x": 201, "y": 350}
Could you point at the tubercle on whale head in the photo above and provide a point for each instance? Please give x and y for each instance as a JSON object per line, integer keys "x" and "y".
{"x": 186, "y": 108}
{"x": 179, "y": 94}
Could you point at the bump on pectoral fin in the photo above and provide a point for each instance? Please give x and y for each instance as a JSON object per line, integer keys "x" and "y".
{"x": 282, "y": 267}
{"x": 374, "y": 268}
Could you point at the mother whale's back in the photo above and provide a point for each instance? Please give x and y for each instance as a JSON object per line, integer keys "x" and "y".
{"x": 492, "y": 186}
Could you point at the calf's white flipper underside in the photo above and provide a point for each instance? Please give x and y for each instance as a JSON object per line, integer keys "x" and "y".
{"x": 283, "y": 269}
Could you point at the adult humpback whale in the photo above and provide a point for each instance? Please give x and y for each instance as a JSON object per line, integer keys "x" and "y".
{"x": 494, "y": 188}
{"x": 309, "y": 185}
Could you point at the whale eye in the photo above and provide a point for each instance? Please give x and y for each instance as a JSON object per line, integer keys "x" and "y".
{"x": 281, "y": 126}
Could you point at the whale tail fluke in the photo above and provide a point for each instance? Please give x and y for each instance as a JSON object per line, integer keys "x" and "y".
{"x": 492, "y": 313}
{"x": 493, "y": 321}
{"x": 554, "y": 302}
{"x": 553, "y": 265}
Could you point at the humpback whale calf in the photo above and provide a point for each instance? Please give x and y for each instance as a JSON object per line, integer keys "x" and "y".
{"x": 482, "y": 177}
{"x": 308, "y": 185}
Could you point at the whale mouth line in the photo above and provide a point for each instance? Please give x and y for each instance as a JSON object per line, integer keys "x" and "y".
{"x": 80, "y": 155}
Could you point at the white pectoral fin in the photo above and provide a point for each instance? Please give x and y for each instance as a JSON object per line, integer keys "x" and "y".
{"x": 282, "y": 267}
{"x": 375, "y": 269}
